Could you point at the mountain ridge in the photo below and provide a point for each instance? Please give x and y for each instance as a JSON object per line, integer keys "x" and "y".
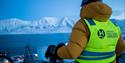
{"x": 44, "y": 25}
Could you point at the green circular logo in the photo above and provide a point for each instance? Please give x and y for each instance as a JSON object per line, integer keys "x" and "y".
{"x": 101, "y": 33}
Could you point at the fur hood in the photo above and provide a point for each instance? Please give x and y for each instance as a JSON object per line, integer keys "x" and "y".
{"x": 96, "y": 10}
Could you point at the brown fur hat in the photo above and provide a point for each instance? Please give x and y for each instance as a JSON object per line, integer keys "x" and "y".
{"x": 96, "y": 10}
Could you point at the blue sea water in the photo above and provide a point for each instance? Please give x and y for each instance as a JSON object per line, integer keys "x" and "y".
{"x": 15, "y": 44}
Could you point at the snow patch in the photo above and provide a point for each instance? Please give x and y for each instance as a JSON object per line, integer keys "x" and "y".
{"x": 44, "y": 25}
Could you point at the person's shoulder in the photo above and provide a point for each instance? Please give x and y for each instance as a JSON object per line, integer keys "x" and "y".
{"x": 79, "y": 24}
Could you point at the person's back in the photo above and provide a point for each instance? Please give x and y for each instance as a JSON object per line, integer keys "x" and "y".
{"x": 94, "y": 32}
{"x": 101, "y": 43}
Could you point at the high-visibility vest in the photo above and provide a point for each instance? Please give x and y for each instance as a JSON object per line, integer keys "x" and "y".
{"x": 102, "y": 42}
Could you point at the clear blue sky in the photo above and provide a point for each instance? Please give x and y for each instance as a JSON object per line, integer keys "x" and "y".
{"x": 36, "y": 9}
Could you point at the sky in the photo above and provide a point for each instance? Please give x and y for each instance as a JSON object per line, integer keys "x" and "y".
{"x": 36, "y": 9}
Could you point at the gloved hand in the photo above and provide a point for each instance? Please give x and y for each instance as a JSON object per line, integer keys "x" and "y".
{"x": 58, "y": 46}
{"x": 50, "y": 51}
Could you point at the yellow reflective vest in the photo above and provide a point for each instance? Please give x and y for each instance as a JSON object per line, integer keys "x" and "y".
{"x": 102, "y": 42}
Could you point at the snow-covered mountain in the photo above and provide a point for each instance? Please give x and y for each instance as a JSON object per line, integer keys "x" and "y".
{"x": 44, "y": 25}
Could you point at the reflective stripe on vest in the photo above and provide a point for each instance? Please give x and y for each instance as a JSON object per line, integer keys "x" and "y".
{"x": 87, "y": 55}
{"x": 102, "y": 42}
